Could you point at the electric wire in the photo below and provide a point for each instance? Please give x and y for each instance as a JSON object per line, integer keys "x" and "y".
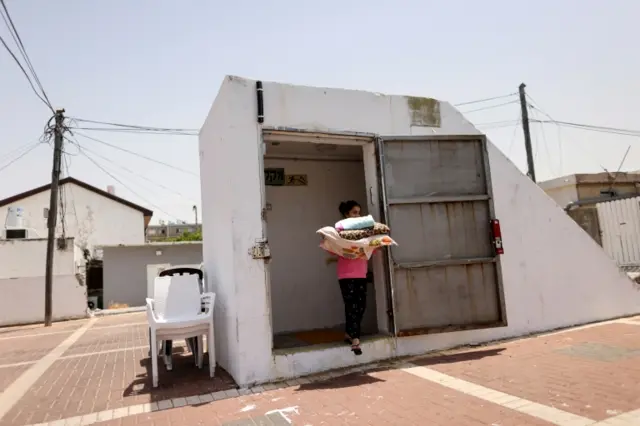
{"x": 6, "y": 16}
{"x": 136, "y": 154}
{"x": 15, "y": 150}
{"x": 486, "y": 99}
{"x": 67, "y": 169}
{"x": 35, "y": 145}
{"x": 133, "y": 126}
{"x": 513, "y": 137}
{"x": 535, "y": 106}
{"x": 505, "y": 122}
{"x": 135, "y": 131}
{"x": 490, "y": 107}
{"x": 24, "y": 72}
{"x": 133, "y": 173}
{"x": 545, "y": 145}
{"x": 601, "y": 129}
{"x": 82, "y": 151}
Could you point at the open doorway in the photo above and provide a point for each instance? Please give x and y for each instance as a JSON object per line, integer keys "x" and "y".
{"x": 304, "y": 185}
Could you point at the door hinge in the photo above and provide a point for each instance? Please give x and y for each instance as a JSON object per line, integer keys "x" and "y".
{"x": 263, "y": 213}
{"x": 260, "y": 250}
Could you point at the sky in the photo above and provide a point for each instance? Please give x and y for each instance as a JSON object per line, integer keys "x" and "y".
{"x": 160, "y": 63}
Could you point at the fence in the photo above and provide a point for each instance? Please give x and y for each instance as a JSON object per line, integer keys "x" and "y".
{"x": 620, "y": 228}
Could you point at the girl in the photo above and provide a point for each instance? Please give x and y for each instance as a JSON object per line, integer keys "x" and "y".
{"x": 352, "y": 276}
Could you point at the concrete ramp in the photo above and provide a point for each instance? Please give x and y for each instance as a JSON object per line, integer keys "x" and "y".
{"x": 554, "y": 274}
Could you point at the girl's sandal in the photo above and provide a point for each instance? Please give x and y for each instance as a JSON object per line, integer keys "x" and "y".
{"x": 355, "y": 348}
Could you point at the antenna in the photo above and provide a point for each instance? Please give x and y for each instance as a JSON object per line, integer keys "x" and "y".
{"x": 624, "y": 157}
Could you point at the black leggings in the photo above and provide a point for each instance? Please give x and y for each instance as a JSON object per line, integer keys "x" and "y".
{"x": 354, "y": 294}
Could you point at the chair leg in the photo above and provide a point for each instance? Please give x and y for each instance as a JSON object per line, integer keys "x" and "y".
{"x": 154, "y": 359}
{"x": 168, "y": 350}
{"x": 211, "y": 348}
{"x": 200, "y": 351}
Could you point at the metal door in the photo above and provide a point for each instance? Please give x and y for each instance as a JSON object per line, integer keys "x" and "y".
{"x": 444, "y": 273}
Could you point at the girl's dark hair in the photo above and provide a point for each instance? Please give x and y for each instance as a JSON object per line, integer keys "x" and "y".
{"x": 346, "y": 206}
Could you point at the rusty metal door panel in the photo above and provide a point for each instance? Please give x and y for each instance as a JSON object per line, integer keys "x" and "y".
{"x": 447, "y": 231}
{"x": 445, "y": 275}
{"x": 446, "y": 298}
{"x": 440, "y": 167}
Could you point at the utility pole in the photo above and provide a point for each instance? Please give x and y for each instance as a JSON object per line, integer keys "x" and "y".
{"x": 531, "y": 172}
{"x": 195, "y": 211}
{"x": 53, "y": 215}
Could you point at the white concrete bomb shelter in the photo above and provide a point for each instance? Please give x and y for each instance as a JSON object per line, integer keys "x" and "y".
{"x": 276, "y": 160}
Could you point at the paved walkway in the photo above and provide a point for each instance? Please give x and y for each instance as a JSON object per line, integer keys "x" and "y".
{"x": 96, "y": 372}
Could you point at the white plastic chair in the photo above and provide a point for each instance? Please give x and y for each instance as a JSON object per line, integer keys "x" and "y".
{"x": 176, "y": 312}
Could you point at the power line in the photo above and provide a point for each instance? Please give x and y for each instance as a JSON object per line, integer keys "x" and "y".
{"x": 73, "y": 198}
{"x": 35, "y": 145}
{"x": 137, "y": 154}
{"x": 6, "y": 16}
{"x": 132, "y": 130}
{"x": 16, "y": 37}
{"x": 485, "y": 99}
{"x": 13, "y": 151}
{"x": 490, "y": 107}
{"x": 507, "y": 122}
{"x": 24, "y": 72}
{"x": 131, "y": 171}
{"x": 122, "y": 183}
{"x": 532, "y": 104}
{"x": 601, "y": 129}
{"x": 134, "y": 126}
{"x": 513, "y": 137}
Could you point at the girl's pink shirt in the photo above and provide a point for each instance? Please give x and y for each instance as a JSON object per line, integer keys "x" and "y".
{"x": 352, "y": 268}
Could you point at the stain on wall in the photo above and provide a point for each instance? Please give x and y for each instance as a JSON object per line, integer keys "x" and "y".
{"x": 424, "y": 111}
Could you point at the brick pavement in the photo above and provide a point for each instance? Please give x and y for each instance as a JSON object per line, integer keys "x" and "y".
{"x": 382, "y": 397}
{"x": 29, "y": 349}
{"x": 593, "y": 372}
{"x": 107, "y": 368}
{"x": 575, "y": 377}
{"x": 9, "y": 374}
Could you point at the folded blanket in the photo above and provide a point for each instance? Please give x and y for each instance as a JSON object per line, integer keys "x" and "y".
{"x": 353, "y": 223}
{"x": 358, "y": 234}
{"x": 360, "y": 249}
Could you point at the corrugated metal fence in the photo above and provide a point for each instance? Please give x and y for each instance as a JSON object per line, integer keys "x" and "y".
{"x": 620, "y": 226}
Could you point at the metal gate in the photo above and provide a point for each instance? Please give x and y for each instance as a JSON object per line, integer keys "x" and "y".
{"x": 619, "y": 222}
{"x": 445, "y": 275}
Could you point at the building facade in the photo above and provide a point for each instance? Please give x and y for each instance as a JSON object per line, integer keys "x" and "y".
{"x": 579, "y": 195}
{"x": 167, "y": 232}
{"x": 89, "y": 215}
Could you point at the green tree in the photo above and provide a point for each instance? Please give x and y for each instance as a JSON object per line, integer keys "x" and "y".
{"x": 189, "y": 236}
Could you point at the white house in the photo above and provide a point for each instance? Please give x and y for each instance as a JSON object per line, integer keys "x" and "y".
{"x": 88, "y": 217}
{"x": 275, "y": 161}
{"x": 91, "y": 216}
{"x": 22, "y": 270}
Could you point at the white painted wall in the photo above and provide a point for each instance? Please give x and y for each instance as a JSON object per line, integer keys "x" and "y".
{"x": 554, "y": 274}
{"x": 304, "y": 290}
{"x": 124, "y": 268}
{"x": 91, "y": 219}
{"x": 22, "y": 282}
